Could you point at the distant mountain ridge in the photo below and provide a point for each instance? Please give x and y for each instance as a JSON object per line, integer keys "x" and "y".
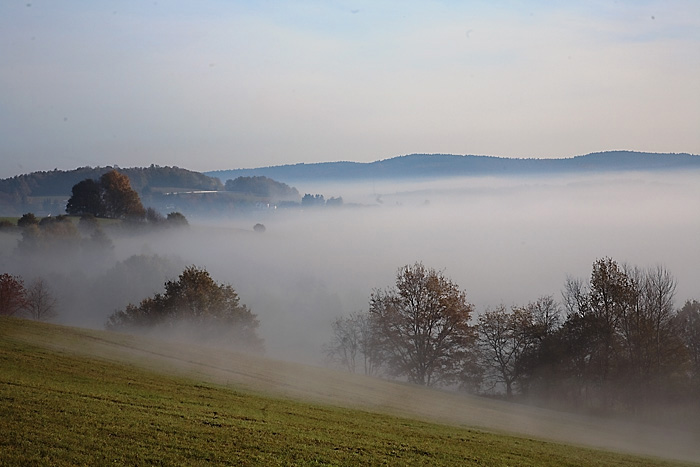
{"x": 447, "y": 165}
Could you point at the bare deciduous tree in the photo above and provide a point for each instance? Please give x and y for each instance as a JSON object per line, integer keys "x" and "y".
{"x": 353, "y": 344}
{"x": 504, "y": 338}
{"x": 623, "y": 345}
{"x": 41, "y": 303}
{"x": 422, "y": 326}
{"x": 546, "y": 316}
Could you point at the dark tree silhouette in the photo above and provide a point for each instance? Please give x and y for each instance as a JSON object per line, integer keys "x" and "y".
{"x": 310, "y": 200}
{"x": 154, "y": 217}
{"x": 86, "y": 198}
{"x": 27, "y": 220}
{"x": 177, "y": 219}
{"x": 688, "y": 319}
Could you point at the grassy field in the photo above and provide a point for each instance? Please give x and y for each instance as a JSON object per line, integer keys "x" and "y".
{"x": 76, "y": 397}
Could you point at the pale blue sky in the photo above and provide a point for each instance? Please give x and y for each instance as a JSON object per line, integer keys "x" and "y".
{"x": 223, "y": 84}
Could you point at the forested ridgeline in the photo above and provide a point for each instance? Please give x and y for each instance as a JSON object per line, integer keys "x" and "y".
{"x": 59, "y": 182}
{"x": 46, "y": 192}
{"x": 162, "y": 188}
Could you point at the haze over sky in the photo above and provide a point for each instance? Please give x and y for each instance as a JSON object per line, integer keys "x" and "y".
{"x": 227, "y": 84}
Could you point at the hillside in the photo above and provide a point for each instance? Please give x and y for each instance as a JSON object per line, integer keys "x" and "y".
{"x": 447, "y": 165}
{"x": 46, "y": 193}
{"x": 72, "y": 396}
{"x": 60, "y": 182}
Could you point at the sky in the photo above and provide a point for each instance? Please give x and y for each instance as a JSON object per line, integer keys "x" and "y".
{"x": 211, "y": 85}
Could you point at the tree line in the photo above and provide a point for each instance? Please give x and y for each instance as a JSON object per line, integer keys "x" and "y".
{"x": 193, "y": 306}
{"x": 615, "y": 341}
{"x": 59, "y": 182}
{"x": 263, "y": 187}
{"x": 164, "y": 188}
{"x": 111, "y": 196}
{"x": 318, "y": 200}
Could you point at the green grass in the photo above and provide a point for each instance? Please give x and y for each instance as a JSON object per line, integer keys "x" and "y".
{"x": 74, "y": 397}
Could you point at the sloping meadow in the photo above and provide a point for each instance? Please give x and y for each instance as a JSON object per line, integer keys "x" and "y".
{"x": 70, "y": 396}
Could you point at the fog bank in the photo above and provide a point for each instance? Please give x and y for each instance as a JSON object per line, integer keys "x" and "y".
{"x": 503, "y": 240}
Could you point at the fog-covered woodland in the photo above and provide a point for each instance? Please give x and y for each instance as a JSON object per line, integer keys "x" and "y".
{"x": 531, "y": 256}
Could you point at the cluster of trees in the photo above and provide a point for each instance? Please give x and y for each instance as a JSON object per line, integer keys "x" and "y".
{"x": 316, "y": 200}
{"x": 122, "y": 192}
{"x": 275, "y": 191}
{"x": 236, "y": 202}
{"x": 616, "y": 343}
{"x": 622, "y": 344}
{"x": 111, "y": 196}
{"x": 61, "y": 234}
{"x": 56, "y": 243}
{"x": 104, "y": 285}
{"x": 35, "y": 301}
{"x": 26, "y": 192}
{"x": 241, "y": 195}
{"x": 196, "y": 303}
{"x": 173, "y": 219}
{"x": 263, "y": 187}
{"x": 145, "y": 179}
{"x": 193, "y": 306}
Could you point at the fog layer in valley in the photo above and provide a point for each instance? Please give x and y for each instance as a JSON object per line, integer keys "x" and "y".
{"x": 503, "y": 240}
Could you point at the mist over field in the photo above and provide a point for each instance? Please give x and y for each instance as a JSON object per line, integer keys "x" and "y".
{"x": 525, "y": 153}
{"x": 502, "y": 240}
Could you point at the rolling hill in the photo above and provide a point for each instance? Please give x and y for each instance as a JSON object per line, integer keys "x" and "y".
{"x": 60, "y": 182}
{"x": 71, "y": 396}
{"x": 46, "y": 192}
{"x": 418, "y": 166}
